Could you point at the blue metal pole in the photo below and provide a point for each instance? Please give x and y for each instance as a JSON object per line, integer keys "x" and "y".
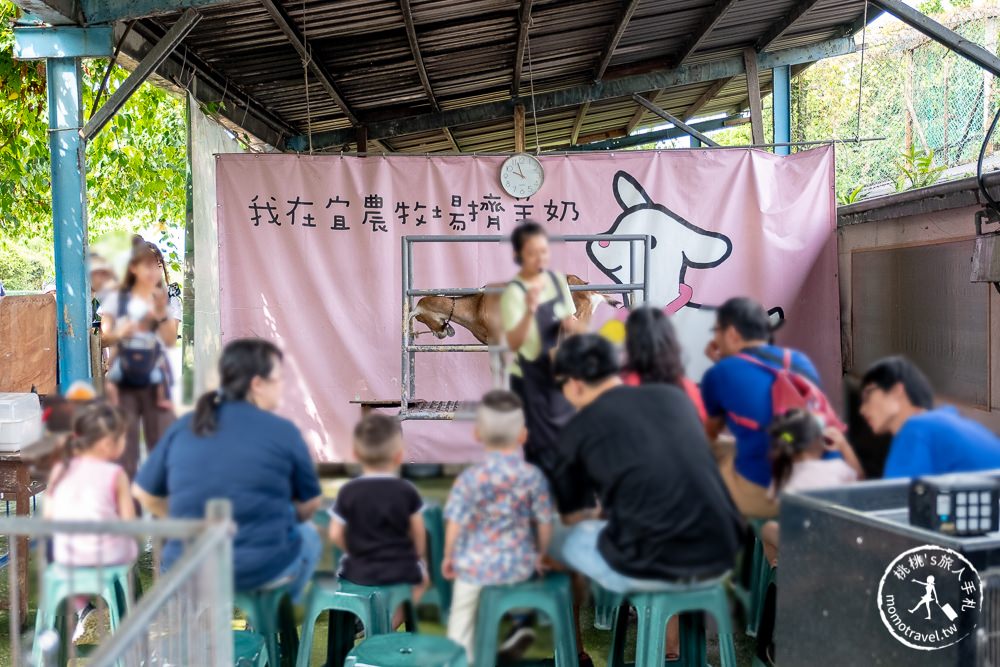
{"x": 69, "y": 201}
{"x": 782, "y": 109}
{"x": 694, "y": 142}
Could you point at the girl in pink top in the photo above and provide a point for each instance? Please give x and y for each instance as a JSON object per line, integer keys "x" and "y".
{"x": 798, "y": 445}
{"x": 87, "y": 485}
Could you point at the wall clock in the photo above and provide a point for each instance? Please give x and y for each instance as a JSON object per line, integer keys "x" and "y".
{"x": 521, "y": 175}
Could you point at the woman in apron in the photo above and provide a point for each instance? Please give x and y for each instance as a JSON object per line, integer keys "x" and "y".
{"x": 536, "y": 311}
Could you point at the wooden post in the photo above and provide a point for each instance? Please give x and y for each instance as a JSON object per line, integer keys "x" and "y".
{"x": 753, "y": 92}
{"x": 518, "y": 128}
{"x": 362, "y": 138}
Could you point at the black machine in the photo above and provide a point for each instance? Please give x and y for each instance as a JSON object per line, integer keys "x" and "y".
{"x": 962, "y": 505}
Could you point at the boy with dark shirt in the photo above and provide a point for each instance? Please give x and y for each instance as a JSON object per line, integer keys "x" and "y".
{"x": 377, "y": 520}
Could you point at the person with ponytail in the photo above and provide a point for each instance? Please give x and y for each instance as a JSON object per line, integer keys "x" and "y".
{"x": 234, "y": 447}
{"x": 88, "y": 485}
{"x": 799, "y": 441}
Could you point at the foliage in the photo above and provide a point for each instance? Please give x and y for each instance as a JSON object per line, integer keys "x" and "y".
{"x": 25, "y": 265}
{"x": 850, "y": 196}
{"x": 911, "y": 93}
{"x": 917, "y": 170}
{"x": 135, "y": 166}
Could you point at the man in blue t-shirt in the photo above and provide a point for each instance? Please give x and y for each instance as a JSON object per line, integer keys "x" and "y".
{"x": 897, "y": 398}
{"x": 737, "y": 394}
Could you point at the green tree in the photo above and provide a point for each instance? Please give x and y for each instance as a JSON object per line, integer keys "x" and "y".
{"x": 135, "y": 166}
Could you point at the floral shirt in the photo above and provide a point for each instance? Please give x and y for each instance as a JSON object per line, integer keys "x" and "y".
{"x": 495, "y": 503}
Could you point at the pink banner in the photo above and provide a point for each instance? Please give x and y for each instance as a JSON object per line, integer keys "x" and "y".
{"x": 309, "y": 256}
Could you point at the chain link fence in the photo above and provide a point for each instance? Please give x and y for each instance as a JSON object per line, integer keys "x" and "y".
{"x": 930, "y": 106}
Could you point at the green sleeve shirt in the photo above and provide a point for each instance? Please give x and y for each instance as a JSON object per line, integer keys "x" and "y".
{"x": 513, "y": 306}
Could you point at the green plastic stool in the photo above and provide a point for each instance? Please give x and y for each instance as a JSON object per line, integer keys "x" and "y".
{"x": 655, "y": 609}
{"x": 112, "y": 583}
{"x": 271, "y": 615}
{"x": 249, "y": 649}
{"x": 402, "y": 649}
{"x": 762, "y": 577}
{"x": 373, "y": 605}
{"x": 439, "y": 593}
{"x": 606, "y": 606}
{"x": 551, "y": 596}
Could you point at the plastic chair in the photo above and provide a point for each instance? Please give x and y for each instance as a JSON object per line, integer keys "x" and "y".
{"x": 402, "y": 649}
{"x": 373, "y": 605}
{"x": 655, "y": 609}
{"x": 111, "y": 583}
{"x": 606, "y": 606}
{"x": 249, "y": 649}
{"x": 271, "y": 615}
{"x": 762, "y": 577}
{"x": 439, "y": 593}
{"x": 551, "y": 596}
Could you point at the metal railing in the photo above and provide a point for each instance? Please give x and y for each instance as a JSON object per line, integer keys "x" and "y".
{"x": 408, "y": 348}
{"x": 184, "y": 618}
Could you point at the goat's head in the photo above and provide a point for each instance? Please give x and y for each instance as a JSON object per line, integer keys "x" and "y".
{"x": 430, "y": 313}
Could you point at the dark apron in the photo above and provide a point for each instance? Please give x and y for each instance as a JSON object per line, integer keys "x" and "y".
{"x": 546, "y": 410}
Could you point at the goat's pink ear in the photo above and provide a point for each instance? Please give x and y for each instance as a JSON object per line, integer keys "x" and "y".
{"x": 629, "y": 193}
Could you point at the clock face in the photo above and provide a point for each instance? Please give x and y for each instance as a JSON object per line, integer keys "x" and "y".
{"x": 521, "y": 175}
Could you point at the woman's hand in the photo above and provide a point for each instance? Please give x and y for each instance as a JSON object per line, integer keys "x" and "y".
{"x": 160, "y": 301}
{"x": 531, "y": 298}
{"x": 448, "y": 568}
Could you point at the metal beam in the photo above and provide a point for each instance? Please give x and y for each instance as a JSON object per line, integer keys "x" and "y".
{"x": 524, "y": 20}
{"x": 640, "y": 112}
{"x": 781, "y": 92}
{"x": 577, "y": 95}
{"x": 652, "y": 137}
{"x": 411, "y": 35}
{"x": 616, "y": 37}
{"x": 108, "y": 11}
{"x": 578, "y": 123}
{"x": 64, "y": 81}
{"x": 781, "y": 26}
{"x": 178, "y": 31}
{"x": 712, "y": 19}
{"x": 939, "y": 33}
{"x": 184, "y": 70}
{"x": 50, "y": 12}
{"x": 31, "y": 43}
{"x": 292, "y": 34}
{"x": 678, "y": 123}
{"x": 705, "y": 98}
{"x": 753, "y": 94}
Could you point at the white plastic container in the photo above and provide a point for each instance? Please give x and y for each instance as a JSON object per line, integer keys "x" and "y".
{"x": 20, "y": 421}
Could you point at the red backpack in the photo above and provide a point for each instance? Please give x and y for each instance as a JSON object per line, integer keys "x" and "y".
{"x": 791, "y": 390}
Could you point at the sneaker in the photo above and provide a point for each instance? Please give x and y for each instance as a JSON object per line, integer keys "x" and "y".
{"x": 81, "y": 621}
{"x": 517, "y": 644}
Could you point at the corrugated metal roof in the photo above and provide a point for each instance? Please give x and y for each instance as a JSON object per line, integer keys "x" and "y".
{"x": 469, "y": 48}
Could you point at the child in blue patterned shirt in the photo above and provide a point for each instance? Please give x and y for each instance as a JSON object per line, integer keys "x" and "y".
{"x": 499, "y": 515}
